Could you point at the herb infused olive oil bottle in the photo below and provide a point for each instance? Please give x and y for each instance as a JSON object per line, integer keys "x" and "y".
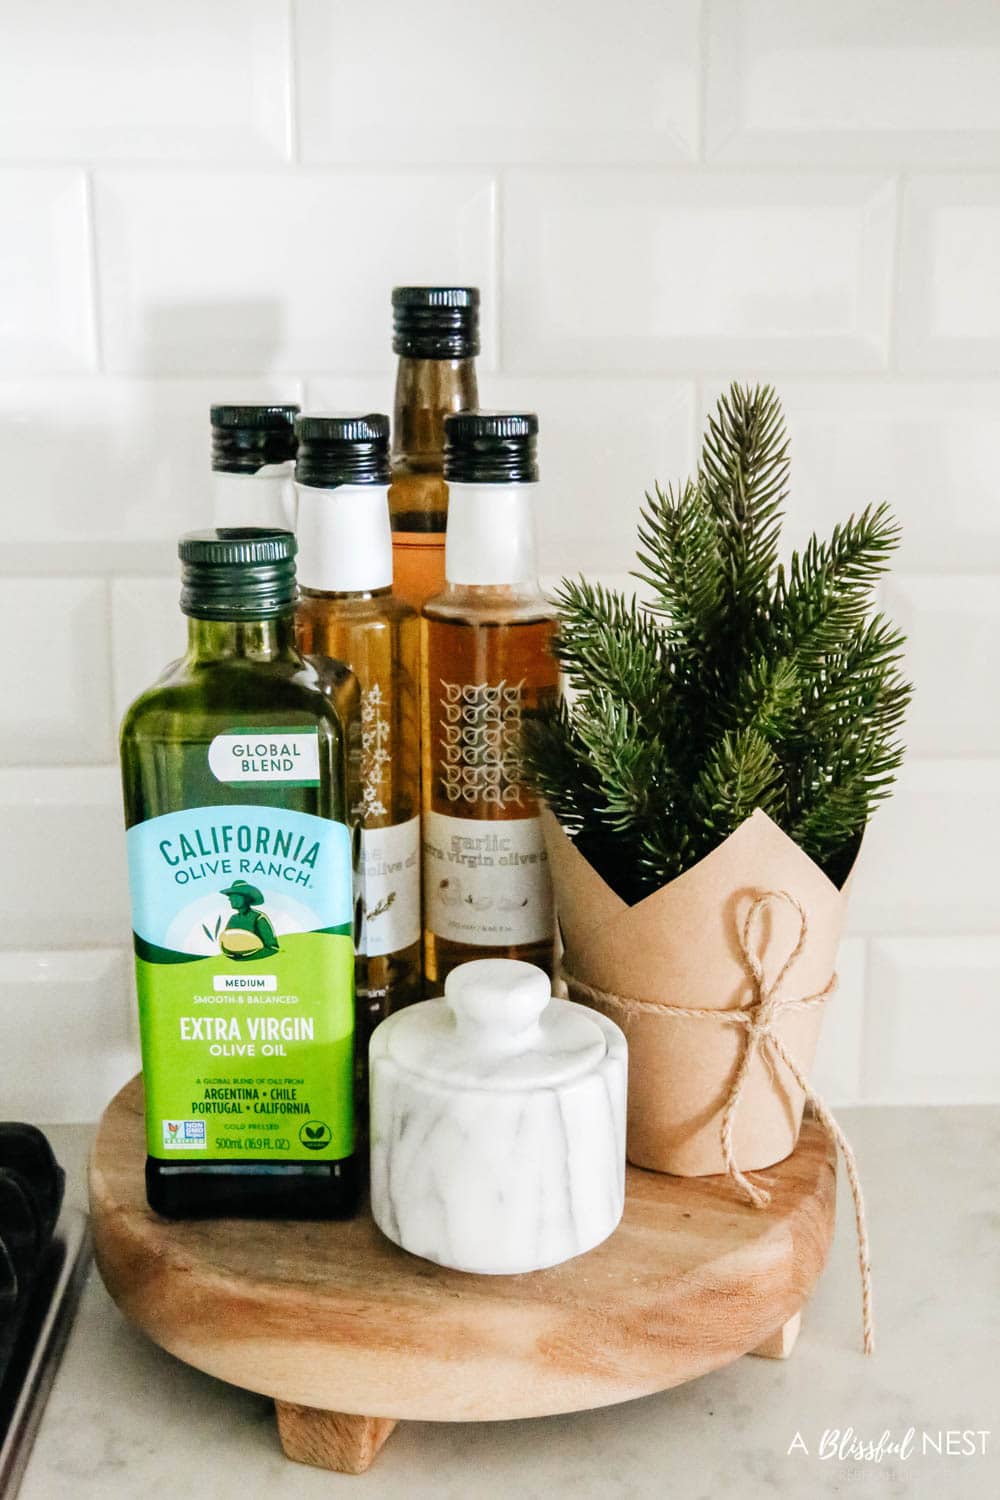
{"x": 487, "y": 667}
{"x": 240, "y": 867}
{"x": 347, "y": 612}
{"x": 436, "y": 335}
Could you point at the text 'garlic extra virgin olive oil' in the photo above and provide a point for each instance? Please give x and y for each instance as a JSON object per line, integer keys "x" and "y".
{"x": 487, "y": 667}
{"x": 347, "y": 612}
{"x": 240, "y": 867}
{"x": 436, "y": 335}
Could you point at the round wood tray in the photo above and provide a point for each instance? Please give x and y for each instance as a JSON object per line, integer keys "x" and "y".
{"x": 333, "y": 1318}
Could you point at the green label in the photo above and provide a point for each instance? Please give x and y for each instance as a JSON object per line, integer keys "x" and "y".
{"x": 245, "y": 974}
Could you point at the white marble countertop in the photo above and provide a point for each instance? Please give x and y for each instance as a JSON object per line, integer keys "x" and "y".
{"x": 126, "y": 1420}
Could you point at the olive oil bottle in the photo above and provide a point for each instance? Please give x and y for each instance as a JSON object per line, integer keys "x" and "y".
{"x": 436, "y": 335}
{"x": 347, "y": 612}
{"x": 253, "y": 465}
{"x": 240, "y": 867}
{"x": 487, "y": 667}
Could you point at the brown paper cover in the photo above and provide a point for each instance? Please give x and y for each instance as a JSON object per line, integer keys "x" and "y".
{"x": 680, "y": 946}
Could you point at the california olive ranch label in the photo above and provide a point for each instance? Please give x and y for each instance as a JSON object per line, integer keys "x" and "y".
{"x": 244, "y": 964}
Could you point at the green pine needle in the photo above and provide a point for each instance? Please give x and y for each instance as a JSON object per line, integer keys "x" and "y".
{"x": 744, "y": 685}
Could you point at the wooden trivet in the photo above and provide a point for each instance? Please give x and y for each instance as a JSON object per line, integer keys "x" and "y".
{"x": 336, "y": 1323}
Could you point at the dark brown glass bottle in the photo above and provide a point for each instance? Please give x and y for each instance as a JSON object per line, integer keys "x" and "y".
{"x": 487, "y": 666}
{"x": 436, "y": 335}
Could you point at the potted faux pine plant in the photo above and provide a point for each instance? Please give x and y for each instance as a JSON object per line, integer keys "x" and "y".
{"x": 709, "y": 778}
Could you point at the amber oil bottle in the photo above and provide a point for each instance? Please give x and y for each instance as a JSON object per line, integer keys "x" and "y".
{"x": 347, "y": 612}
{"x": 487, "y": 667}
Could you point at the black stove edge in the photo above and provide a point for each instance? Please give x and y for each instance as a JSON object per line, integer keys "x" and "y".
{"x": 48, "y": 1323}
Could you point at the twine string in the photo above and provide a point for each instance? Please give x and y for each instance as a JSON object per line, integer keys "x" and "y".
{"x": 758, "y": 1021}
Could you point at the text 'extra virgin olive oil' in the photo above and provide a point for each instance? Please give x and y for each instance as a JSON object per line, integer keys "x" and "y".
{"x": 347, "y": 612}
{"x": 436, "y": 335}
{"x": 487, "y": 667}
{"x": 240, "y": 867}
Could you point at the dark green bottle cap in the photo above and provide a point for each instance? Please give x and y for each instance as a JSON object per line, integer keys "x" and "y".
{"x": 237, "y": 573}
{"x": 245, "y": 438}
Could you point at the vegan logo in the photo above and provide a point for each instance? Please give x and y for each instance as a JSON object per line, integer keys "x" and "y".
{"x": 248, "y": 934}
{"x": 315, "y": 1134}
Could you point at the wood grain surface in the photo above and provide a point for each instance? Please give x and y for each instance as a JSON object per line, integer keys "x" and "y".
{"x": 334, "y": 1317}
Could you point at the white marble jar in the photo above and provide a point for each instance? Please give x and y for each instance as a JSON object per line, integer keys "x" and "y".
{"x": 497, "y": 1123}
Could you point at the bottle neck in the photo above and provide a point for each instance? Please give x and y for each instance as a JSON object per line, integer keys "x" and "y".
{"x": 265, "y": 498}
{"x": 427, "y": 390}
{"x": 345, "y": 542}
{"x": 242, "y": 640}
{"x": 491, "y": 535}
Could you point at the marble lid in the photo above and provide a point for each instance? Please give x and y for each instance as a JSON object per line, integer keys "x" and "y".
{"x": 498, "y": 1027}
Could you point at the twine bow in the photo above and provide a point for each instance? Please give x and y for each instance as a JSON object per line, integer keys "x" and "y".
{"x": 759, "y": 1021}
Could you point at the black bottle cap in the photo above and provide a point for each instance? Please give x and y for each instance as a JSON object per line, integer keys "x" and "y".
{"x": 491, "y": 447}
{"x": 245, "y": 438}
{"x": 237, "y": 573}
{"x": 342, "y": 448}
{"x": 435, "y": 322}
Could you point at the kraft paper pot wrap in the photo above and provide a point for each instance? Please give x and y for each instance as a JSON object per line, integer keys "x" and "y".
{"x": 681, "y": 947}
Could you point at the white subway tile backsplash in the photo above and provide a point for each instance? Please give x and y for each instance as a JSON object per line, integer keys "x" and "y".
{"x": 108, "y": 472}
{"x": 637, "y": 271}
{"x": 147, "y": 632}
{"x": 601, "y": 445}
{"x": 927, "y": 447}
{"x": 949, "y": 292}
{"x": 807, "y": 81}
{"x": 46, "y": 318}
{"x": 933, "y": 1026}
{"x": 77, "y": 1049}
{"x": 241, "y": 271}
{"x": 489, "y": 87}
{"x": 928, "y": 864}
{"x": 56, "y": 702}
{"x": 197, "y": 82}
{"x": 211, "y": 201}
{"x": 65, "y": 823}
{"x": 952, "y": 627}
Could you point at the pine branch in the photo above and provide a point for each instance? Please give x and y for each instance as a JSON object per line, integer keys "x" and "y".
{"x": 745, "y": 686}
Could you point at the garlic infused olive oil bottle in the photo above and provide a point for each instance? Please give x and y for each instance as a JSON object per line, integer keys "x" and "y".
{"x": 487, "y": 668}
{"x": 240, "y": 867}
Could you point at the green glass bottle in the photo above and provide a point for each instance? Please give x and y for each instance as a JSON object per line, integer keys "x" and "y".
{"x": 240, "y": 866}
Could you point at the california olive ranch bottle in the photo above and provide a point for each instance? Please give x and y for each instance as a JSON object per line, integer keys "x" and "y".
{"x": 240, "y": 868}
{"x": 347, "y": 612}
{"x": 253, "y": 463}
{"x": 436, "y": 335}
{"x": 487, "y": 666}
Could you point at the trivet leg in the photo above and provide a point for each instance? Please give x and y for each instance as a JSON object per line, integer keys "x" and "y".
{"x": 330, "y": 1439}
{"x": 781, "y": 1344}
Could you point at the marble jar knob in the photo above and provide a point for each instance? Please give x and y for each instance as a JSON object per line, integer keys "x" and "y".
{"x": 497, "y": 1123}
